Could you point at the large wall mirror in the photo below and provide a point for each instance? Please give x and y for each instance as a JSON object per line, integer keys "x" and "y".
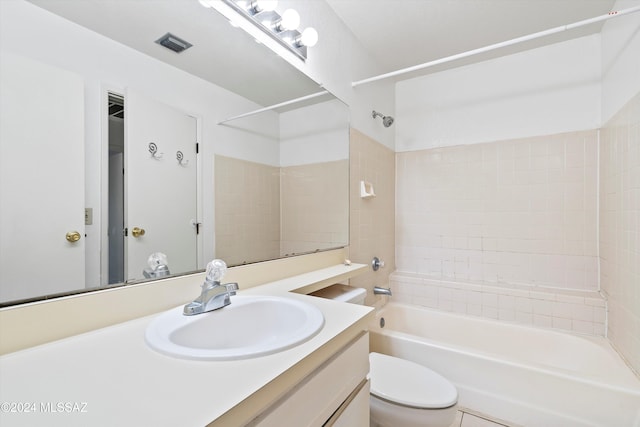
{"x": 114, "y": 149}
{"x": 291, "y": 199}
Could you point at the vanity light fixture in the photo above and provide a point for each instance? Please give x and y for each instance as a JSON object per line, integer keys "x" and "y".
{"x": 289, "y": 21}
{"x": 258, "y": 6}
{"x": 282, "y": 28}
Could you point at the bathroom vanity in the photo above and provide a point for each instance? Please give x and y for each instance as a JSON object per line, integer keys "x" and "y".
{"x": 110, "y": 376}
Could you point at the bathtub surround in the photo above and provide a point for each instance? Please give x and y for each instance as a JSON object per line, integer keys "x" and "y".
{"x": 620, "y": 228}
{"x": 582, "y": 312}
{"x": 515, "y": 212}
{"x": 620, "y": 183}
{"x": 512, "y": 230}
{"x": 504, "y": 230}
{"x": 577, "y": 246}
{"x": 371, "y": 230}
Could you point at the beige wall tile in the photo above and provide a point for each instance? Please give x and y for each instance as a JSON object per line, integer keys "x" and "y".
{"x": 372, "y": 231}
{"x": 620, "y": 229}
{"x": 315, "y": 206}
{"x": 489, "y": 212}
{"x": 247, "y": 210}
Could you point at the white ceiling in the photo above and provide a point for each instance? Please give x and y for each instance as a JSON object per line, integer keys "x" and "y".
{"x": 397, "y": 33}
{"x": 221, "y": 54}
{"x": 403, "y": 33}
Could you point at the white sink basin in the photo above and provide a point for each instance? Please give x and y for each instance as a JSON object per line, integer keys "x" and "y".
{"x": 251, "y": 326}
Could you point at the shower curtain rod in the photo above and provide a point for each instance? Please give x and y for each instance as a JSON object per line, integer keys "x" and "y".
{"x": 274, "y": 106}
{"x": 613, "y": 14}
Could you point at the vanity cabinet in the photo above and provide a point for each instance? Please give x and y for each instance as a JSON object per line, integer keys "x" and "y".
{"x": 335, "y": 394}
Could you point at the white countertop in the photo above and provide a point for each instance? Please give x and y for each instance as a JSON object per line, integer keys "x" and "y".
{"x": 109, "y": 377}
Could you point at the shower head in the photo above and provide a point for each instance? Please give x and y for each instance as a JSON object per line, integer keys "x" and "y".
{"x": 386, "y": 120}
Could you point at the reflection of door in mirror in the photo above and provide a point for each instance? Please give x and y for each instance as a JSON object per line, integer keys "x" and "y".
{"x": 42, "y": 230}
{"x": 160, "y": 172}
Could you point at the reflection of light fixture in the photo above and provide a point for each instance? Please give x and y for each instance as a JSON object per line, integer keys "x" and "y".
{"x": 290, "y": 20}
{"x": 309, "y": 37}
{"x": 263, "y": 5}
{"x": 282, "y": 29}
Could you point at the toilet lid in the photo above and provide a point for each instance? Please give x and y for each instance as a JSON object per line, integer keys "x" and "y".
{"x": 407, "y": 383}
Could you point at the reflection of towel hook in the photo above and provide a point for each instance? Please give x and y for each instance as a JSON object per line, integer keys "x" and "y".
{"x": 181, "y": 159}
{"x": 153, "y": 149}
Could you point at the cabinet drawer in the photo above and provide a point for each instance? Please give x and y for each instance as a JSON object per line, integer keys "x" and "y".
{"x": 318, "y": 396}
{"x": 354, "y": 412}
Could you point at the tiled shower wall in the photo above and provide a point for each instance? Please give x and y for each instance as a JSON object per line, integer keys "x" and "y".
{"x": 620, "y": 228}
{"x": 372, "y": 220}
{"x": 510, "y": 212}
{"x": 504, "y": 230}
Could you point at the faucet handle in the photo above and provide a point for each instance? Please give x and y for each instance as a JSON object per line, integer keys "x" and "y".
{"x": 231, "y": 288}
{"x": 376, "y": 263}
{"x": 215, "y": 270}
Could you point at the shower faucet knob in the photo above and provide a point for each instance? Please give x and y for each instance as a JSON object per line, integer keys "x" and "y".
{"x": 376, "y": 263}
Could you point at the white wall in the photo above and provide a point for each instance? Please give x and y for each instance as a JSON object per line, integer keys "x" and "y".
{"x": 339, "y": 59}
{"x": 314, "y": 134}
{"x": 620, "y": 60}
{"x": 547, "y": 90}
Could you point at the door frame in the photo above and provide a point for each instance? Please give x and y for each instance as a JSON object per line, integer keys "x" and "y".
{"x": 104, "y": 180}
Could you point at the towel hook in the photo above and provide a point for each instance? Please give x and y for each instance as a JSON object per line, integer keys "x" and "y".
{"x": 181, "y": 160}
{"x": 153, "y": 149}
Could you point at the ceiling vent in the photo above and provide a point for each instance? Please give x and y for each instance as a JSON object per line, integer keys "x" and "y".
{"x": 174, "y": 43}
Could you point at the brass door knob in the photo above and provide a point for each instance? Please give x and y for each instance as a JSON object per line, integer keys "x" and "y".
{"x": 73, "y": 236}
{"x": 137, "y": 231}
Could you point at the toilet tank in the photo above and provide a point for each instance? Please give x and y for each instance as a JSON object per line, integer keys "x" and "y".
{"x": 340, "y": 292}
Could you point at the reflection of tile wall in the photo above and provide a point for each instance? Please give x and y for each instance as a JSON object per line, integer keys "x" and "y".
{"x": 372, "y": 230}
{"x": 314, "y": 206}
{"x": 511, "y": 212}
{"x": 247, "y": 210}
{"x": 620, "y": 228}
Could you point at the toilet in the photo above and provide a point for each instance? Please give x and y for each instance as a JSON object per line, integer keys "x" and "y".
{"x": 403, "y": 393}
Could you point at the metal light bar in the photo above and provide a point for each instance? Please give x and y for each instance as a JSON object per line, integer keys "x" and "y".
{"x": 495, "y": 46}
{"x": 287, "y": 39}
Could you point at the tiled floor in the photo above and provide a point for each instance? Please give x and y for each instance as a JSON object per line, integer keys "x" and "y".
{"x": 464, "y": 418}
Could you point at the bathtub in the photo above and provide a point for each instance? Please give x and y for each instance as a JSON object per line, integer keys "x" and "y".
{"x": 525, "y": 375}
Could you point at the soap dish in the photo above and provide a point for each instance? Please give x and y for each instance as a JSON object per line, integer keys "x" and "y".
{"x": 366, "y": 190}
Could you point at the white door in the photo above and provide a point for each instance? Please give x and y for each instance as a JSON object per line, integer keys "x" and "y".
{"x": 41, "y": 179}
{"x": 160, "y": 190}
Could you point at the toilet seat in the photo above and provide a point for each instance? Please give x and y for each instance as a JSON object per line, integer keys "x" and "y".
{"x": 409, "y": 384}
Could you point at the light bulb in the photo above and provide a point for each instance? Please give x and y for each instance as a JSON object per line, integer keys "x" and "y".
{"x": 309, "y": 37}
{"x": 290, "y": 20}
{"x": 266, "y": 5}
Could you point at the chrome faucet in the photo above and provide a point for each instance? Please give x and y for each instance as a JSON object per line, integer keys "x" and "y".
{"x": 214, "y": 294}
{"x": 377, "y": 290}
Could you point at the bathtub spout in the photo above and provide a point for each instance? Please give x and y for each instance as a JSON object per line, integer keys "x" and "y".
{"x": 377, "y": 290}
